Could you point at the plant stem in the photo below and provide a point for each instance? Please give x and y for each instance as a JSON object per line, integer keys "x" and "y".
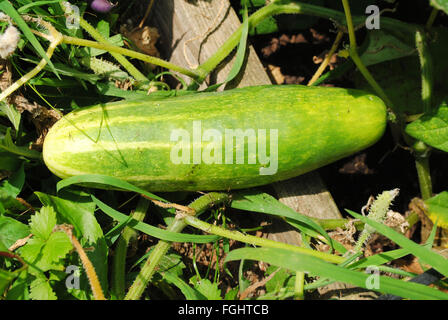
{"x": 432, "y": 18}
{"x": 147, "y": 271}
{"x": 130, "y": 53}
{"x": 426, "y": 64}
{"x": 299, "y": 285}
{"x": 119, "y": 263}
{"x": 357, "y": 60}
{"x": 253, "y": 240}
{"x": 120, "y": 58}
{"x": 424, "y": 176}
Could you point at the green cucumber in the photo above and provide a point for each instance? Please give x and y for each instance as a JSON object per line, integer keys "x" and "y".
{"x": 234, "y": 139}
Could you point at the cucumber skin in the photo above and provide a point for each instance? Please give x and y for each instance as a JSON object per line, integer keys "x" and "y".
{"x": 316, "y": 126}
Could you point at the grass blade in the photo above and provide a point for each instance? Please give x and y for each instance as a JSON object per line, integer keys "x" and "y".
{"x": 305, "y": 263}
{"x": 95, "y": 179}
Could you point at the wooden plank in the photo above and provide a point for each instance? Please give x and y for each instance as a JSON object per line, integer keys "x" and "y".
{"x": 214, "y": 21}
{"x": 194, "y": 31}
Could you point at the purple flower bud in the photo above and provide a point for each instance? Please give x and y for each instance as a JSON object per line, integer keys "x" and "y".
{"x": 101, "y": 5}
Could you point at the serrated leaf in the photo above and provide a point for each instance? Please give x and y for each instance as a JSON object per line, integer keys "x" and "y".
{"x": 432, "y": 129}
{"x": 12, "y": 230}
{"x": 43, "y": 222}
{"x": 19, "y": 289}
{"x": 283, "y": 279}
{"x": 151, "y": 230}
{"x": 78, "y": 209}
{"x": 116, "y": 40}
{"x": 43, "y": 255}
{"x": 56, "y": 248}
{"x": 438, "y": 209}
{"x": 440, "y": 4}
{"x": 31, "y": 253}
{"x": 40, "y": 289}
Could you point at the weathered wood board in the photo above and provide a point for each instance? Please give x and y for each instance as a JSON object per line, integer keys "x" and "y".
{"x": 191, "y": 31}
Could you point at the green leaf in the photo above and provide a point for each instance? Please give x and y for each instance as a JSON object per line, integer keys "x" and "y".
{"x": 6, "y": 278}
{"x": 6, "y": 144}
{"x": 438, "y": 209}
{"x": 31, "y": 254}
{"x": 12, "y": 230}
{"x": 11, "y": 112}
{"x": 440, "y": 4}
{"x": 432, "y": 129}
{"x": 40, "y": 289}
{"x": 189, "y": 292}
{"x": 43, "y": 222}
{"x": 317, "y": 267}
{"x": 57, "y": 246}
{"x": 241, "y": 51}
{"x": 30, "y": 5}
{"x": 382, "y": 46}
{"x": 208, "y": 289}
{"x": 116, "y": 40}
{"x": 282, "y": 280}
{"x": 78, "y": 210}
{"x": 437, "y": 261}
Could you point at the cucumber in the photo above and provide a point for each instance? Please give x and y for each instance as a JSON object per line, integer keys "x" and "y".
{"x": 234, "y": 139}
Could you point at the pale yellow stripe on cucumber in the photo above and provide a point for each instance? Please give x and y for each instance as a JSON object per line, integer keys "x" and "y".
{"x": 68, "y": 128}
{"x": 90, "y": 146}
{"x": 129, "y": 104}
